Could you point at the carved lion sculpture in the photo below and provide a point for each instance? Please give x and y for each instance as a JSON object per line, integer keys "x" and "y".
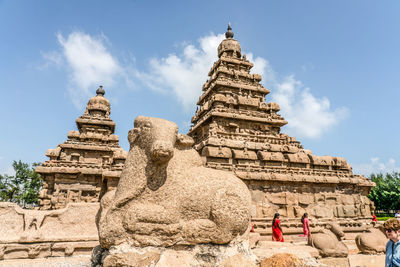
{"x": 328, "y": 241}
{"x": 165, "y": 196}
{"x": 372, "y": 242}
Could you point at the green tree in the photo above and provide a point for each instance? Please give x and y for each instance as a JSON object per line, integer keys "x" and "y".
{"x": 23, "y": 187}
{"x": 386, "y": 193}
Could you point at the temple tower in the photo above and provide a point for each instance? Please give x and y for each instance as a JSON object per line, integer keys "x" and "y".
{"x": 88, "y": 164}
{"x": 234, "y": 129}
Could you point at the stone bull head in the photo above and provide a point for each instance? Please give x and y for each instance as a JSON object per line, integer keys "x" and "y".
{"x": 152, "y": 145}
{"x": 158, "y": 138}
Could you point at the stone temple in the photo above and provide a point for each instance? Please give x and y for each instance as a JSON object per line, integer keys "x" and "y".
{"x": 177, "y": 200}
{"x": 235, "y": 129}
{"x": 79, "y": 172}
{"x": 88, "y": 164}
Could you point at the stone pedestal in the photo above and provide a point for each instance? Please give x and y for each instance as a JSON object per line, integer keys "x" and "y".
{"x": 201, "y": 255}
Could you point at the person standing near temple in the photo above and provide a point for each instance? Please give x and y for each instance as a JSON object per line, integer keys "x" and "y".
{"x": 392, "y": 231}
{"x": 306, "y": 225}
{"x": 397, "y": 215}
{"x": 374, "y": 219}
{"x": 277, "y": 234}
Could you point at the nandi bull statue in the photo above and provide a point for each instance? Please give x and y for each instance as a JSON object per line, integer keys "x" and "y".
{"x": 329, "y": 241}
{"x": 372, "y": 242}
{"x": 166, "y": 197}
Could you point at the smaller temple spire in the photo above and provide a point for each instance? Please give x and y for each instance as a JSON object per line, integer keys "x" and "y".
{"x": 229, "y": 34}
{"x": 100, "y": 91}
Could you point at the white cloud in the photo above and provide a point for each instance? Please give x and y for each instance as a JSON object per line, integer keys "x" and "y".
{"x": 89, "y": 64}
{"x": 376, "y": 165}
{"x": 307, "y": 115}
{"x": 184, "y": 73}
{"x": 52, "y": 57}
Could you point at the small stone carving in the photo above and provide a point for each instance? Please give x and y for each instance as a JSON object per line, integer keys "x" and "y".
{"x": 373, "y": 242}
{"x": 166, "y": 197}
{"x": 328, "y": 241}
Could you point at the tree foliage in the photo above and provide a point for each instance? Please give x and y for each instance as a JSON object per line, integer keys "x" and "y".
{"x": 23, "y": 187}
{"x": 386, "y": 193}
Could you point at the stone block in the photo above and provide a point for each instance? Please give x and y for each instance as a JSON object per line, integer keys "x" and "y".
{"x": 336, "y": 262}
{"x": 131, "y": 259}
{"x": 237, "y": 260}
{"x": 360, "y": 260}
{"x": 282, "y": 260}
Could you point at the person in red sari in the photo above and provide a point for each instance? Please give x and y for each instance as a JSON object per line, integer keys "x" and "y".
{"x": 374, "y": 219}
{"x": 277, "y": 234}
{"x": 306, "y": 225}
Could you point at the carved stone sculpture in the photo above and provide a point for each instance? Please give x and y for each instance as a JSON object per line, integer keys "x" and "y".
{"x": 328, "y": 241}
{"x": 70, "y": 231}
{"x": 373, "y": 242}
{"x": 88, "y": 164}
{"x": 166, "y": 197}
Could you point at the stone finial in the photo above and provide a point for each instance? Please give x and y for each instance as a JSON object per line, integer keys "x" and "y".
{"x": 229, "y": 45}
{"x": 229, "y": 34}
{"x": 100, "y": 91}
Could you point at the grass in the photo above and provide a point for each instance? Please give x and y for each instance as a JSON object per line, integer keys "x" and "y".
{"x": 384, "y": 218}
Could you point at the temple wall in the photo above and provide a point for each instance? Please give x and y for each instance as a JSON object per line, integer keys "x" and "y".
{"x": 36, "y": 233}
{"x": 292, "y": 200}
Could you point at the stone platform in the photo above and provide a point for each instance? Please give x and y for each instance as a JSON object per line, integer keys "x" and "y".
{"x": 305, "y": 253}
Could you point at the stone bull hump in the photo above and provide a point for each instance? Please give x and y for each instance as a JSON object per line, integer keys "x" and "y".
{"x": 165, "y": 196}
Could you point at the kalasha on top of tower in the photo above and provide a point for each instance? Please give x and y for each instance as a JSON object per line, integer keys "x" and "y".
{"x": 98, "y": 109}
{"x": 98, "y": 106}
{"x": 229, "y": 46}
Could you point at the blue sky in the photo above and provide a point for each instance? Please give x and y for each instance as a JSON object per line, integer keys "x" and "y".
{"x": 332, "y": 66}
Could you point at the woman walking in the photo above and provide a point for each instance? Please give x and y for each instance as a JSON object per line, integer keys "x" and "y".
{"x": 306, "y": 225}
{"x": 277, "y": 234}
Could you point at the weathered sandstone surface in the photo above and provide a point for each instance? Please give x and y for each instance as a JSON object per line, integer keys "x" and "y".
{"x": 167, "y": 198}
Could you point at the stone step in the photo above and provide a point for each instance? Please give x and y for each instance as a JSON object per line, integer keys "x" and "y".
{"x": 80, "y": 261}
{"x": 351, "y": 245}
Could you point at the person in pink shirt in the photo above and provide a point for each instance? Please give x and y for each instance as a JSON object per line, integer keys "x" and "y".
{"x": 306, "y": 225}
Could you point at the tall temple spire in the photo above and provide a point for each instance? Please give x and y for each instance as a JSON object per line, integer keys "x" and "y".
{"x": 229, "y": 33}
{"x": 235, "y": 129}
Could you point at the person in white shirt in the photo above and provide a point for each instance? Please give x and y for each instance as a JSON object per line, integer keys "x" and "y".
{"x": 397, "y": 215}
